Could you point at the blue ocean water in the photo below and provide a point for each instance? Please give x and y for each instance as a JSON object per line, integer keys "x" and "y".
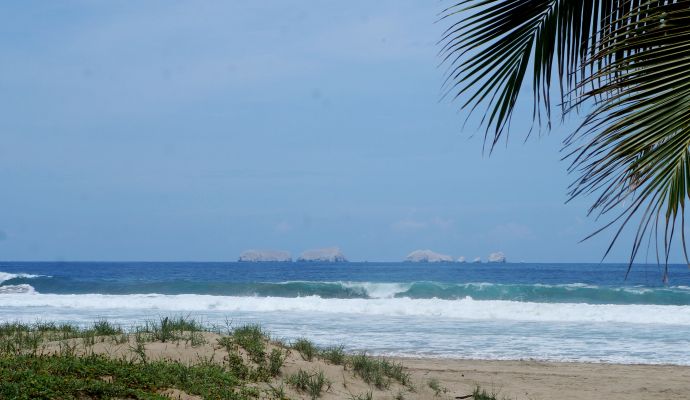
{"x": 567, "y": 312}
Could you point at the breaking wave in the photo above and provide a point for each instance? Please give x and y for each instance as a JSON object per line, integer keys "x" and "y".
{"x": 557, "y": 293}
{"x": 466, "y": 308}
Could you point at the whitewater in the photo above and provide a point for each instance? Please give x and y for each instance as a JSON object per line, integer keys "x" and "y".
{"x": 563, "y": 312}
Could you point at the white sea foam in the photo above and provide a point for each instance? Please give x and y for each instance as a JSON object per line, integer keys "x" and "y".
{"x": 15, "y": 289}
{"x": 378, "y": 290}
{"x": 6, "y": 276}
{"x": 467, "y": 309}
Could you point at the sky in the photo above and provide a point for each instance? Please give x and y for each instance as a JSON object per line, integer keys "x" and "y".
{"x": 184, "y": 130}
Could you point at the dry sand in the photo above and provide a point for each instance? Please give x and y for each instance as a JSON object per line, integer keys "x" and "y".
{"x": 457, "y": 378}
{"x": 556, "y": 380}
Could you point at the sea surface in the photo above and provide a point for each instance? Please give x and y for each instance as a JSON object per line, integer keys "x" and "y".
{"x": 563, "y": 312}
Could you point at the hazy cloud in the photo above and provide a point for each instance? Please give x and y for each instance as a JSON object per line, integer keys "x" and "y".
{"x": 512, "y": 230}
{"x": 283, "y": 227}
{"x": 411, "y": 225}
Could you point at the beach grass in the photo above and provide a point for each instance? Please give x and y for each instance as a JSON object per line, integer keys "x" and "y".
{"x": 69, "y": 376}
{"x": 482, "y": 394}
{"x": 104, "y": 360}
{"x": 378, "y": 372}
{"x": 334, "y": 354}
{"x": 306, "y": 348}
{"x": 312, "y": 384}
{"x": 364, "y": 396}
{"x": 435, "y": 385}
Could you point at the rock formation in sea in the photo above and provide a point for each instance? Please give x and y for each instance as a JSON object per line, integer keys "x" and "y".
{"x": 330, "y": 254}
{"x": 461, "y": 259}
{"x": 477, "y": 260}
{"x": 497, "y": 257}
{"x": 427, "y": 256}
{"x": 265, "y": 256}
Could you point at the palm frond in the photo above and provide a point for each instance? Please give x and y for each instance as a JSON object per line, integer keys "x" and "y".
{"x": 626, "y": 60}
{"x": 635, "y": 144}
{"x": 490, "y": 48}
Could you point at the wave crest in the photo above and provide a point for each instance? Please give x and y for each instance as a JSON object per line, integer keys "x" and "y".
{"x": 6, "y": 276}
{"x": 467, "y": 308}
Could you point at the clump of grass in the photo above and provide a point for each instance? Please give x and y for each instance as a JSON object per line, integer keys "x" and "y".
{"x": 365, "y": 396}
{"x": 334, "y": 355}
{"x": 104, "y": 328}
{"x": 275, "y": 362}
{"x": 378, "y": 372}
{"x": 278, "y": 392}
{"x": 236, "y": 365}
{"x": 170, "y": 329}
{"x": 252, "y": 339}
{"x": 163, "y": 331}
{"x": 481, "y": 394}
{"x": 140, "y": 350}
{"x": 17, "y": 338}
{"x": 311, "y": 384}
{"x": 228, "y": 343}
{"x": 196, "y": 339}
{"x": 306, "y": 349}
{"x": 435, "y": 385}
{"x": 70, "y": 377}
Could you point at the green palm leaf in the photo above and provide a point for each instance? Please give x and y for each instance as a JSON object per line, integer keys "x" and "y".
{"x": 627, "y": 61}
{"x": 489, "y": 51}
{"x": 634, "y": 145}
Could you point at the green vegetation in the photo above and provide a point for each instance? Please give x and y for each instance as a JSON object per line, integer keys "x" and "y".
{"x": 366, "y": 396}
{"x": 305, "y": 348}
{"x": 67, "y": 376}
{"x": 435, "y": 385}
{"x": 58, "y": 361}
{"x": 618, "y": 62}
{"x": 275, "y": 362}
{"x": 252, "y": 339}
{"x": 481, "y": 394}
{"x": 378, "y": 372}
{"x": 279, "y": 392}
{"x": 334, "y": 354}
{"x": 102, "y": 360}
{"x": 254, "y": 342}
{"x": 311, "y": 384}
{"x": 105, "y": 328}
{"x": 168, "y": 329}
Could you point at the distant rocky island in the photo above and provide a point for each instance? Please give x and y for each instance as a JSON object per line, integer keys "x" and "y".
{"x": 427, "y": 256}
{"x": 329, "y": 254}
{"x": 334, "y": 255}
{"x": 497, "y": 257}
{"x": 265, "y": 256}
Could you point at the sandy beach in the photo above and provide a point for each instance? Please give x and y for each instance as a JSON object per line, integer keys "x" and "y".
{"x": 556, "y": 380}
{"x": 428, "y": 378}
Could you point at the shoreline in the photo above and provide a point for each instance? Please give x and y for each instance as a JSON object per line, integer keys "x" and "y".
{"x": 533, "y": 379}
{"x": 263, "y": 366}
{"x": 521, "y": 360}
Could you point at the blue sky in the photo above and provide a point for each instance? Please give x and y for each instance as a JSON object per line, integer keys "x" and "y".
{"x": 168, "y": 130}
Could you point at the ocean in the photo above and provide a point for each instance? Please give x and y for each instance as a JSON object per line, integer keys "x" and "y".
{"x": 559, "y": 312}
